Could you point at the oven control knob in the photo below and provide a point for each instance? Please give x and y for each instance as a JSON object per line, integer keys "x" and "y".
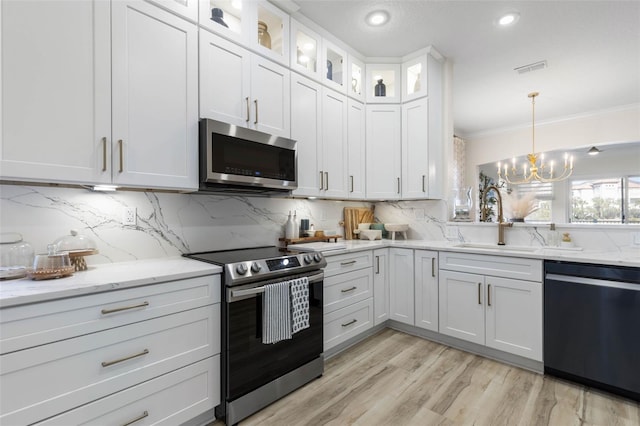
{"x": 255, "y": 267}
{"x": 241, "y": 269}
{"x": 317, "y": 257}
{"x": 307, "y": 259}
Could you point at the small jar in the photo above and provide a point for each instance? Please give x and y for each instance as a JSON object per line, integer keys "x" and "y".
{"x": 264, "y": 38}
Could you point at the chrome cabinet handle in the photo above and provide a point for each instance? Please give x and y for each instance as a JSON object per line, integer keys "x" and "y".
{"x": 377, "y": 265}
{"x": 255, "y": 101}
{"x": 248, "y": 110}
{"x": 104, "y": 154}
{"x": 423, "y": 177}
{"x": 489, "y": 294}
{"x": 351, "y": 176}
{"x": 126, "y": 358}
{"x": 351, "y": 262}
{"x": 137, "y": 419}
{"x": 124, "y": 308}
{"x": 321, "y": 180}
{"x": 353, "y": 321}
{"x": 347, "y": 290}
{"x": 120, "y": 147}
{"x": 479, "y": 293}
{"x": 433, "y": 267}
{"x": 326, "y": 177}
{"x": 398, "y": 185}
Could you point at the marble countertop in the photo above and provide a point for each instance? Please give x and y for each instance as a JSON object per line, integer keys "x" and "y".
{"x": 103, "y": 277}
{"x": 630, "y": 257}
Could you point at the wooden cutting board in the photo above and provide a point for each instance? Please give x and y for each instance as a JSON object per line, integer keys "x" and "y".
{"x": 353, "y": 216}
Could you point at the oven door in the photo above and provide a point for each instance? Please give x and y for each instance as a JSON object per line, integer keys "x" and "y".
{"x": 251, "y": 363}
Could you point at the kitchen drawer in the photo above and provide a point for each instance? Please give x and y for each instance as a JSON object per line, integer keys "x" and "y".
{"x": 345, "y": 289}
{"x": 27, "y": 326}
{"x": 170, "y": 399}
{"x": 348, "y": 322}
{"x": 498, "y": 266}
{"x": 348, "y": 262}
{"x": 46, "y": 380}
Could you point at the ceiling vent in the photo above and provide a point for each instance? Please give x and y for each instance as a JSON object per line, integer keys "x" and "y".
{"x": 531, "y": 67}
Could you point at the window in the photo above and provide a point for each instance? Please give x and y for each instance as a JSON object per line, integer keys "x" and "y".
{"x": 605, "y": 200}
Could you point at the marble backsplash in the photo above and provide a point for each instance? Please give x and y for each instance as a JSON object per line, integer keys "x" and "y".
{"x": 169, "y": 224}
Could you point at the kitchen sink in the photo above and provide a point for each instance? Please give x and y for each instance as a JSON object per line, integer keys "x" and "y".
{"x": 488, "y": 246}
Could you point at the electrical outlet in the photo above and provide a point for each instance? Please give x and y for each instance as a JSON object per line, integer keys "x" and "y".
{"x": 129, "y": 216}
{"x": 636, "y": 239}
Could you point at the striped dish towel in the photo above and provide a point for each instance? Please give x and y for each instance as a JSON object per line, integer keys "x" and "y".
{"x": 299, "y": 304}
{"x": 276, "y": 312}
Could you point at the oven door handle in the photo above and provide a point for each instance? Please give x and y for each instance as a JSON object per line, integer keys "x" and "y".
{"x": 258, "y": 290}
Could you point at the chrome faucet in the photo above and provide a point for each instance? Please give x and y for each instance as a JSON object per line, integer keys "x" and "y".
{"x": 501, "y": 223}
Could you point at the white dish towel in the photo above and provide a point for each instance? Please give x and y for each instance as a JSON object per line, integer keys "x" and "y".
{"x": 299, "y": 304}
{"x": 276, "y": 312}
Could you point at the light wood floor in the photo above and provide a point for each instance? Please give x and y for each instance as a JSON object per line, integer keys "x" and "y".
{"x": 396, "y": 379}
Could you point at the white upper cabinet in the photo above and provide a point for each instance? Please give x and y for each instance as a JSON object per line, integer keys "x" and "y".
{"x": 334, "y": 66}
{"x": 306, "y": 124}
{"x": 132, "y": 53}
{"x": 356, "y": 72}
{"x": 258, "y": 25}
{"x": 56, "y": 92}
{"x": 155, "y": 97}
{"x": 186, "y": 8}
{"x": 334, "y": 144}
{"x": 241, "y": 88}
{"x": 415, "y": 149}
{"x": 357, "y": 149}
{"x": 383, "y": 83}
{"x": 306, "y": 51}
{"x": 383, "y": 152}
{"x": 414, "y": 78}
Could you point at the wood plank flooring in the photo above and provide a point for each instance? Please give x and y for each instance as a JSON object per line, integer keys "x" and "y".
{"x": 396, "y": 379}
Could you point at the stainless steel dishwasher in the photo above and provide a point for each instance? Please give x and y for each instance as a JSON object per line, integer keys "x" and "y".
{"x": 592, "y": 325}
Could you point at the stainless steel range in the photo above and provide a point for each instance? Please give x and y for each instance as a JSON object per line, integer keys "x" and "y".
{"x": 255, "y": 374}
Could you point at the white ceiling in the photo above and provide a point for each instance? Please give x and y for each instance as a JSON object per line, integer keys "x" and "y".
{"x": 592, "y": 49}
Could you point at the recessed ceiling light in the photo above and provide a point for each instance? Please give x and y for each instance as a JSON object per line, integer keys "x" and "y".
{"x": 377, "y": 18}
{"x": 509, "y": 19}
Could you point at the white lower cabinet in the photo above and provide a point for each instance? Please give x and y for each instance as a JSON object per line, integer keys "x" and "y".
{"x": 348, "y": 297}
{"x": 499, "y": 311}
{"x": 380, "y": 285}
{"x": 401, "y": 294}
{"x": 120, "y": 343}
{"x": 426, "y": 289}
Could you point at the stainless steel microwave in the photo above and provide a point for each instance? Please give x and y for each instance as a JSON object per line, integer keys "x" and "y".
{"x": 234, "y": 158}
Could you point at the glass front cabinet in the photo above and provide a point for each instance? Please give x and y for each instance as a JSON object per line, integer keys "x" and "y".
{"x": 383, "y": 83}
{"x": 305, "y": 51}
{"x": 355, "y": 69}
{"x": 414, "y": 78}
{"x": 334, "y": 65}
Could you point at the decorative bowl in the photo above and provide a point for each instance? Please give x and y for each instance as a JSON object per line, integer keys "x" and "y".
{"x": 370, "y": 234}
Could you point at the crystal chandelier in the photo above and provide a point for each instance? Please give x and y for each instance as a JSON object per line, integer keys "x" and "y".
{"x": 534, "y": 170}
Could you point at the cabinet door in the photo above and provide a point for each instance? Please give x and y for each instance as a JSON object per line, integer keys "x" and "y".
{"x": 185, "y": 8}
{"x": 224, "y": 80}
{"x": 356, "y": 143}
{"x": 514, "y": 316}
{"x": 380, "y": 286}
{"x": 383, "y": 152}
{"x": 415, "y": 149}
{"x": 437, "y": 144}
{"x": 426, "y": 289}
{"x": 334, "y": 143}
{"x": 55, "y": 85}
{"x": 401, "y": 294}
{"x": 306, "y": 104}
{"x": 461, "y": 306}
{"x": 155, "y": 97}
{"x": 271, "y": 97}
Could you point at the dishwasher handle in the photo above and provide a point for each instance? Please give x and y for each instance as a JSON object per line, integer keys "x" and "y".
{"x": 592, "y": 281}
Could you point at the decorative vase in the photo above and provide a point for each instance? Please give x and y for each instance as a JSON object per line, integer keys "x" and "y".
{"x": 329, "y": 70}
{"x": 462, "y": 204}
{"x": 416, "y": 85}
{"x": 217, "y": 15}
{"x": 264, "y": 38}
{"x": 380, "y": 89}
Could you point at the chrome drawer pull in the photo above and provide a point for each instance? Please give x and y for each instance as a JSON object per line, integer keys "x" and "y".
{"x": 433, "y": 267}
{"x": 489, "y": 294}
{"x": 124, "y": 308}
{"x": 121, "y": 169}
{"x": 104, "y": 154}
{"x": 140, "y": 417}
{"x": 353, "y": 321}
{"x": 347, "y": 290}
{"x": 248, "y": 112}
{"x": 108, "y": 363}
{"x": 479, "y": 293}
{"x": 351, "y": 262}
{"x": 255, "y": 101}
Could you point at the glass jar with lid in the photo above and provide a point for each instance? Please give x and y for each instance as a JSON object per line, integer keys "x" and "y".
{"x": 16, "y": 256}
